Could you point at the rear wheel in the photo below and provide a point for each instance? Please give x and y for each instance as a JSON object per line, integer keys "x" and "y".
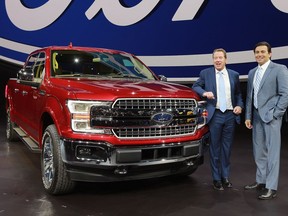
{"x": 54, "y": 176}
{"x": 10, "y": 133}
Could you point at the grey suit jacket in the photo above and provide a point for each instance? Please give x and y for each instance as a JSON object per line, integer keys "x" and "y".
{"x": 272, "y": 95}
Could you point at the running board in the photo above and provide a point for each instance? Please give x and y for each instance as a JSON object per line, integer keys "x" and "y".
{"x": 30, "y": 143}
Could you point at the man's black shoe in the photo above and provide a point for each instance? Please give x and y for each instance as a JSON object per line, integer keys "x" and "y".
{"x": 218, "y": 185}
{"x": 226, "y": 183}
{"x": 255, "y": 185}
{"x": 269, "y": 194}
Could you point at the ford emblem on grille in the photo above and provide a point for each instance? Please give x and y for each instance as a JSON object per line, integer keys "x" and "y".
{"x": 162, "y": 118}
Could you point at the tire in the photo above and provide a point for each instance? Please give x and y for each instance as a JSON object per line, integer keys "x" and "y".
{"x": 10, "y": 133}
{"x": 55, "y": 179}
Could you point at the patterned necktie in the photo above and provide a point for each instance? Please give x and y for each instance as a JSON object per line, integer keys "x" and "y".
{"x": 222, "y": 94}
{"x": 257, "y": 81}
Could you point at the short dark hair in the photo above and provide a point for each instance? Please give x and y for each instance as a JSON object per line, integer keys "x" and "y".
{"x": 220, "y": 50}
{"x": 263, "y": 43}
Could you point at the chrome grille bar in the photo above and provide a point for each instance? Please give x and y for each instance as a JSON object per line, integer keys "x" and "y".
{"x": 154, "y": 132}
{"x": 155, "y": 103}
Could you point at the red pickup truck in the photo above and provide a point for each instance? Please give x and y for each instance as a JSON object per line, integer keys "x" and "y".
{"x": 102, "y": 115}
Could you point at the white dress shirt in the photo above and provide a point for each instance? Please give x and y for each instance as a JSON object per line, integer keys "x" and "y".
{"x": 263, "y": 67}
{"x": 227, "y": 88}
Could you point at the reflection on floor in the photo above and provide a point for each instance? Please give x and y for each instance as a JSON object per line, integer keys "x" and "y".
{"x": 21, "y": 191}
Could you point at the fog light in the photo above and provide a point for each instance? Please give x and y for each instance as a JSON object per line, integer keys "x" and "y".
{"x": 83, "y": 151}
{"x": 96, "y": 153}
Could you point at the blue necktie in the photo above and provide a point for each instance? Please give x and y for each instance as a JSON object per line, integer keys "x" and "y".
{"x": 258, "y": 78}
{"x": 222, "y": 94}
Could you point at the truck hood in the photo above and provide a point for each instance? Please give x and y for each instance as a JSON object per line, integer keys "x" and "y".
{"x": 112, "y": 89}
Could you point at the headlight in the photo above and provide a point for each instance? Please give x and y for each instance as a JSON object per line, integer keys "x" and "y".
{"x": 80, "y": 115}
{"x": 203, "y": 114}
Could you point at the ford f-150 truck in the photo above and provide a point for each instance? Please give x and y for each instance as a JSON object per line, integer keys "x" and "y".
{"x": 101, "y": 115}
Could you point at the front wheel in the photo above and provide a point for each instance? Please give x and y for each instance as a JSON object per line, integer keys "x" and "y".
{"x": 54, "y": 176}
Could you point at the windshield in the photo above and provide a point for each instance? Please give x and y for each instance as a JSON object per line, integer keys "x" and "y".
{"x": 73, "y": 63}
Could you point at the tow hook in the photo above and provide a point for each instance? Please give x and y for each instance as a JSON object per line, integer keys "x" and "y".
{"x": 189, "y": 163}
{"x": 121, "y": 171}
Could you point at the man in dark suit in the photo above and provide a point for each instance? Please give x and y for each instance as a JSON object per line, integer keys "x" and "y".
{"x": 223, "y": 113}
{"x": 267, "y": 100}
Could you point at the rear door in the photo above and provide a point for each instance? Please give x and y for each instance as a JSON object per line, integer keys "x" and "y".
{"x": 25, "y": 96}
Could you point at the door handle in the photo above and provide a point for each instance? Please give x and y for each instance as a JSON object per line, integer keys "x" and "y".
{"x": 42, "y": 92}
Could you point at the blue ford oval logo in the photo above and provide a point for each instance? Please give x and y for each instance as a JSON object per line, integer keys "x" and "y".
{"x": 162, "y": 118}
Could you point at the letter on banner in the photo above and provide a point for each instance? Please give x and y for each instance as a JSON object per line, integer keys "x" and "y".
{"x": 120, "y": 15}
{"x": 36, "y": 18}
{"x": 187, "y": 10}
{"x": 281, "y": 5}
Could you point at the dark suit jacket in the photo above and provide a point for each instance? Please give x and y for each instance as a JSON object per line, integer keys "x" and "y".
{"x": 207, "y": 82}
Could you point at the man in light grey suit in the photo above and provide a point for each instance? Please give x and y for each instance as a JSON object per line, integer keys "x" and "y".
{"x": 266, "y": 102}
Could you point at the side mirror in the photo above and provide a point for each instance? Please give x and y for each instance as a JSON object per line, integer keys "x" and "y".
{"x": 162, "y": 78}
{"x": 26, "y": 75}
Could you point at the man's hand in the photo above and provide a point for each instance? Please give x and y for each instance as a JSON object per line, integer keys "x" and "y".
{"x": 237, "y": 110}
{"x": 208, "y": 95}
{"x": 248, "y": 124}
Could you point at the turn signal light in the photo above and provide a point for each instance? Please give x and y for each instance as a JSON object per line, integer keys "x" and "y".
{"x": 205, "y": 113}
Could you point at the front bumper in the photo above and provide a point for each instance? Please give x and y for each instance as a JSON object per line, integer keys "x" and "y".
{"x": 103, "y": 162}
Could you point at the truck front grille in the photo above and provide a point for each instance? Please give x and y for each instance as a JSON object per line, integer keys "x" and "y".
{"x": 148, "y": 117}
{"x": 154, "y": 132}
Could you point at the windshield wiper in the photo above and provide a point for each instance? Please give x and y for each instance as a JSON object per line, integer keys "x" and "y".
{"x": 128, "y": 76}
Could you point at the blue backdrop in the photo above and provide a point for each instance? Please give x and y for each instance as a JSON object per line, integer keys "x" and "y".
{"x": 168, "y": 46}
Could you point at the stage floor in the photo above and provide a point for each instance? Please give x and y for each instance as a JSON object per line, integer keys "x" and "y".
{"x": 21, "y": 191}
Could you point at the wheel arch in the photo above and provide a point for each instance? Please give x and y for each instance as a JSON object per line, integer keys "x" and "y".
{"x": 54, "y": 113}
{"x": 46, "y": 120}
